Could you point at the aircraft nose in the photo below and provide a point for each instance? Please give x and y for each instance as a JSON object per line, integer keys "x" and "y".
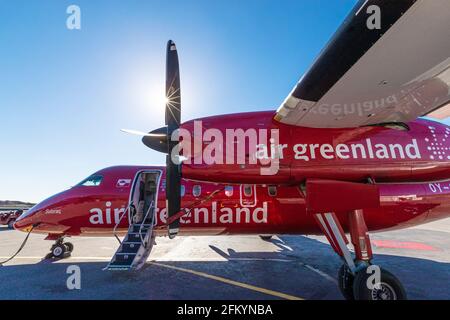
{"x": 26, "y": 220}
{"x": 39, "y": 213}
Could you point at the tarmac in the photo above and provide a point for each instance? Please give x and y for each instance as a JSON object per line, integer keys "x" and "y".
{"x": 223, "y": 267}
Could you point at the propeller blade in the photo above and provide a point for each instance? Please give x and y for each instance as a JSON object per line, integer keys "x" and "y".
{"x": 173, "y": 119}
{"x": 143, "y": 134}
{"x": 160, "y": 139}
{"x": 173, "y": 93}
{"x": 173, "y": 194}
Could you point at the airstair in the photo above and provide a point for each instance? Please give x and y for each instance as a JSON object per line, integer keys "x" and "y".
{"x": 138, "y": 243}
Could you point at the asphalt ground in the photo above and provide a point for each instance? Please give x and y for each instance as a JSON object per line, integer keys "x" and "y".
{"x": 225, "y": 267}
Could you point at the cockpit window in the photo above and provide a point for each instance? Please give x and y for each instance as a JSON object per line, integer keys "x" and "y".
{"x": 92, "y": 181}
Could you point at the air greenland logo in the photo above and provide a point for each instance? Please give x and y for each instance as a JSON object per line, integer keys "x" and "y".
{"x": 365, "y": 150}
{"x": 437, "y": 145}
{"x": 205, "y": 215}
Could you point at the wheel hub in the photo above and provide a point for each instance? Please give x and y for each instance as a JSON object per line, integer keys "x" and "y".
{"x": 57, "y": 251}
{"x": 384, "y": 292}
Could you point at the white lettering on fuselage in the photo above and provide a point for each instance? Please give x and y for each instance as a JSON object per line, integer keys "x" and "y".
{"x": 52, "y": 211}
{"x": 439, "y": 187}
{"x": 203, "y": 215}
{"x": 366, "y": 150}
{"x": 98, "y": 217}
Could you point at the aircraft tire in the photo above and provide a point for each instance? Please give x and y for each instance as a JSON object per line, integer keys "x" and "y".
{"x": 69, "y": 246}
{"x": 391, "y": 288}
{"x": 345, "y": 282}
{"x": 58, "y": 250}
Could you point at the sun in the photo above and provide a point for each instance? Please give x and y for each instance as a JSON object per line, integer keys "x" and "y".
{"x": 157, "y": 96}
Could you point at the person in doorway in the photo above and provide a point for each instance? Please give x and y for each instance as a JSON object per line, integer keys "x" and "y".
{"x": 139, "y": 215}
{"x": 149, "y": 198}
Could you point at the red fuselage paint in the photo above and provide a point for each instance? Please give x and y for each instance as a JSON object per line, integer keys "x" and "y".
{"x": 94, "y": 210}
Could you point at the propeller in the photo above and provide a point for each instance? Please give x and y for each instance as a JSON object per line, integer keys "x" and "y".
{"x": 161, "y": 139}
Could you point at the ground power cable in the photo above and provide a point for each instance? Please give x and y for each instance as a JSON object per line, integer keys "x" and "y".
{"x": 20, "y": 248}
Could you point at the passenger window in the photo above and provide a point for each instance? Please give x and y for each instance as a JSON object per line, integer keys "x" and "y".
{"x": 197, "y": 191}
{"x": 272, "y": 190}
{"x": 92, "y": 181}
{"x": 183, "y": 190}
{"x": 229, "y": 191}
{"x": 248, "y": 190}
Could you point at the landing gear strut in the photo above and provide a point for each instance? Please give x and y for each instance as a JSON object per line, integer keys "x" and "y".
{"x": 60, "y": 249}
{"x": 358, "y": 278}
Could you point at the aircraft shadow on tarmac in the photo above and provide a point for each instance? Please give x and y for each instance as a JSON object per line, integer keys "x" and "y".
{"x": 422, "y": 278}
{"x": 302, "y": 267}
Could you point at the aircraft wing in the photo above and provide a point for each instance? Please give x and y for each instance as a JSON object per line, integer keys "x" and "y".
{"x": 388, "y": 62}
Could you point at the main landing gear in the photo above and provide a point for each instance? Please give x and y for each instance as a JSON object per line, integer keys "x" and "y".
{"x": 358, "y": 278}
{"x": 60, "y": 249}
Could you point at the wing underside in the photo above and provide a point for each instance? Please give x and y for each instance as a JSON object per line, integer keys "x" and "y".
{"x": 368, "y": 75}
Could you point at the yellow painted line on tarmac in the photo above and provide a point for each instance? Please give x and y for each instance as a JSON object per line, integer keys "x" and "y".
{"x": 232, "y": 282}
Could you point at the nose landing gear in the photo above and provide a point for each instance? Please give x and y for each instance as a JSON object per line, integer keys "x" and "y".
{"x": 358, "y": 278}
{"x": 60, "y": 249}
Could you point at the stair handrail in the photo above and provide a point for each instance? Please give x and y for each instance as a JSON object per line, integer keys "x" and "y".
{"x": 120, "y": 219}
{"x": 143, "y": 222}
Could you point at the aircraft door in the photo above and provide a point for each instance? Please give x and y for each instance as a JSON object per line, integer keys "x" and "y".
{"x": 144, "y": 195}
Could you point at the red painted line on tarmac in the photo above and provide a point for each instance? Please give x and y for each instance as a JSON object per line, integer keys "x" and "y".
{"x": 403, "y": 245}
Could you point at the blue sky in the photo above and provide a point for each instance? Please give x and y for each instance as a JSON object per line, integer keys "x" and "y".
{"x": 65, "y": 94}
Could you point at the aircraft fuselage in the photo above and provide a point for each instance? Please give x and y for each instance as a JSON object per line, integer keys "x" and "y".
{"x": 95, "y": 210}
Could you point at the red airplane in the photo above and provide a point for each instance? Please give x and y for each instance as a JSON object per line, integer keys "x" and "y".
{"x": 345, "y": 153}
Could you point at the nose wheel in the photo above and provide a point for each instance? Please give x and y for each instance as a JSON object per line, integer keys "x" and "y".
{"x": 60, "y": 249}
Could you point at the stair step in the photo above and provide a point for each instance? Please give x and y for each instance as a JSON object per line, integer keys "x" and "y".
{"x": 136, "y": 228}
{"x": 118, "y": 267}
{"x": 131, "y": 247}
{"x": 124, "y": 259}
{"x": 133, "y": 237}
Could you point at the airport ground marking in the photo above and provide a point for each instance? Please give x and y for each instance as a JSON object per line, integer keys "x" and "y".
{"x": 232, "y": 282}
